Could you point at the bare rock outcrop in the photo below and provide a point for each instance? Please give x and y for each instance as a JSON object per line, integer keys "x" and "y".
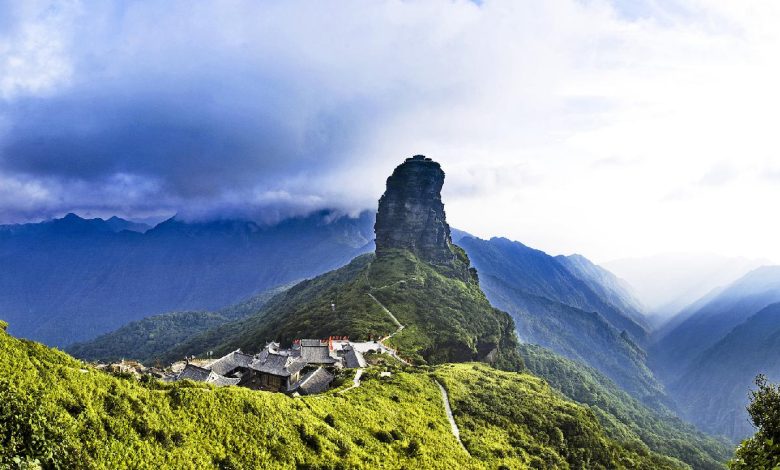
{"x": 411, "y": 213}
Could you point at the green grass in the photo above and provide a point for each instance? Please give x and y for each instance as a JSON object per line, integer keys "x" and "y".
{"x": 624, "y": 417}
{"x": 61, "y": 413}
{"x": 518, "y": 421}
{"x": 448, "y": 319}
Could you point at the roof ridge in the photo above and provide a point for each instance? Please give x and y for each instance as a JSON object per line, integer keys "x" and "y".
{"x": 309, "y": 376}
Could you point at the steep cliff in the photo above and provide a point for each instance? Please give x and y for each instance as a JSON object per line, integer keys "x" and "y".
{"x": 411, "y": 214}
{"x": 417, "y": 274}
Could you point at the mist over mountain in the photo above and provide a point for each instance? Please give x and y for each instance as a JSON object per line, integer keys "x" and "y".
{"x": 709, "y": 320}
{"x": 713, "y": 390}
{"x": 608, "y": 286}
{"x": 710, "y": 353}
{"x": 72, "y": 279}
{"x": 666, "y": 284}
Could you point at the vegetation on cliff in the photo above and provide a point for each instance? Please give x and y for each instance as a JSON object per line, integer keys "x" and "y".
{"x": 58, "y": 412}
{"x": 625, "y": 418}
{"x": 445, "y": 314}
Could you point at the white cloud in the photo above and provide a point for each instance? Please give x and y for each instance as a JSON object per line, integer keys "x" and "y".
{"x": 571, "y": 126}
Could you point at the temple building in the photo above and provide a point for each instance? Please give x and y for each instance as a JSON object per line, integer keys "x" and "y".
{"x": 305, "y": 368}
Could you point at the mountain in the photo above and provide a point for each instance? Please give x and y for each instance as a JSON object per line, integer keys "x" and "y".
{"x": 542, "y": 275}
{"x": 72, "y": 279}
{"x": 417, "y": 279}
{"x": 418, "y": 292}
{"x": 609, "y": 287}
{"x": 147, "y": 339}
{"x": 71, "y": 224}
{"x": 624, "y": 418}
{"x": 553, "y": 304}
{"x": 713, "y": 389}
{"x": 668, "y": 283}
{"x": 701, "y": 326}
{"x": 117, "y": 225}
{"x": 57, "y": 412}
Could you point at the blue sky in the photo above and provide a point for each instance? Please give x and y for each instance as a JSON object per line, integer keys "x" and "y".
{"x": 611, "y": 129}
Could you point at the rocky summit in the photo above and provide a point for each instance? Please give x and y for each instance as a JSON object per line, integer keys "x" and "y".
{"x": 411, "y": 213}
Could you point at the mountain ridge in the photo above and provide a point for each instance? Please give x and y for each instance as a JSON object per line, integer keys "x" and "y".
{"x": 71, "y": 279}
{"x": 417, "y": 273}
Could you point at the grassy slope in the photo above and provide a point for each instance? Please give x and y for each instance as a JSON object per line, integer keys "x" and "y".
{"x": 518, "y": 417}
{"x": 626, "y": 419}
{"x": 447, "y": 317}
{"x": 63, "y": 413}
{"x": 148, "y": 339}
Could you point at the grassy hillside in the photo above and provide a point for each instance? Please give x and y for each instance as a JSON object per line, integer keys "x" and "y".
{"x": 625, "y": 418}
{"x": 148, "y": 339}
{"x": 508, "y": 415}
{"x": 61, "y": 413}
{"x": 445, "y": 314}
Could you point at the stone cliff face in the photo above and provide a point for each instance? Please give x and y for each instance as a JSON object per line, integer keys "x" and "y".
{"x": 411, "y": 213}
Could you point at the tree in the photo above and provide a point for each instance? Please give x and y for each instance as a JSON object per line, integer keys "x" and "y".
{"x": 762, "y": 451}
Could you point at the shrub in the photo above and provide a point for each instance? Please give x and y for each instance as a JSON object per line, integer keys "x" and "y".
{"x": 384, "y": 436}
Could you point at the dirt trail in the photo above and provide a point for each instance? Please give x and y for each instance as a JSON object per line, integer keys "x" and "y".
{"x": 453, "y": 425}
{"x": 355, "y": 381}
{"x": 390, "y": 350}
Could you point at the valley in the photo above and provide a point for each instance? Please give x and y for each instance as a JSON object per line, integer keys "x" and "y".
{"x": 525, "y": 360}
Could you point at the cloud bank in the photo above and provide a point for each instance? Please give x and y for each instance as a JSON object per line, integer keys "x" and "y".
{"x": 566, "y": 124}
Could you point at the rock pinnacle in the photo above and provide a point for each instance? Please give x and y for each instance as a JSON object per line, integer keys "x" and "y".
{"x": 411, "y": 213}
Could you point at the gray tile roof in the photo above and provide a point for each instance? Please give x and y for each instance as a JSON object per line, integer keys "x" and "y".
{"x": 193, "y": 372}
{"x": 199, "y": 374}
{"x": 221, "y": 381}
{"x": 353, "y": 358}
{"x": 281, "y": 365}
{"x": 317, "y": 354}
{"x": 316, "y": 381}
{"x": 229, "y": 363}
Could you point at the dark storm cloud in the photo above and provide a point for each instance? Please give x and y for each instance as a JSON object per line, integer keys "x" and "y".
{"x": 200, "y": 108}
{"x": 194, "y": 142}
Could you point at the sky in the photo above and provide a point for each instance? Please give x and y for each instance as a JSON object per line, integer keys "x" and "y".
{"x": 613, "y": 129}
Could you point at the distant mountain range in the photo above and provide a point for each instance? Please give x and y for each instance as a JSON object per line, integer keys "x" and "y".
{"x": 713, "y": 390}
{"x": 710, "y": 353}
{"x": 668, "y": 283}
{"x": 431, "y": 300}
{"x": 570, "y": 306}
{"x": 149, "y": 339}
{"x": 71, "y": 279}
{"x": 705, "y": 322}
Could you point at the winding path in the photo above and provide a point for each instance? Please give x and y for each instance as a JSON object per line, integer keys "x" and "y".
{"x": 453, "y": 425}
{"x": 355, "y": 381}
{"x": 390, "y": 350}
{"x": 389, "y": 313}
